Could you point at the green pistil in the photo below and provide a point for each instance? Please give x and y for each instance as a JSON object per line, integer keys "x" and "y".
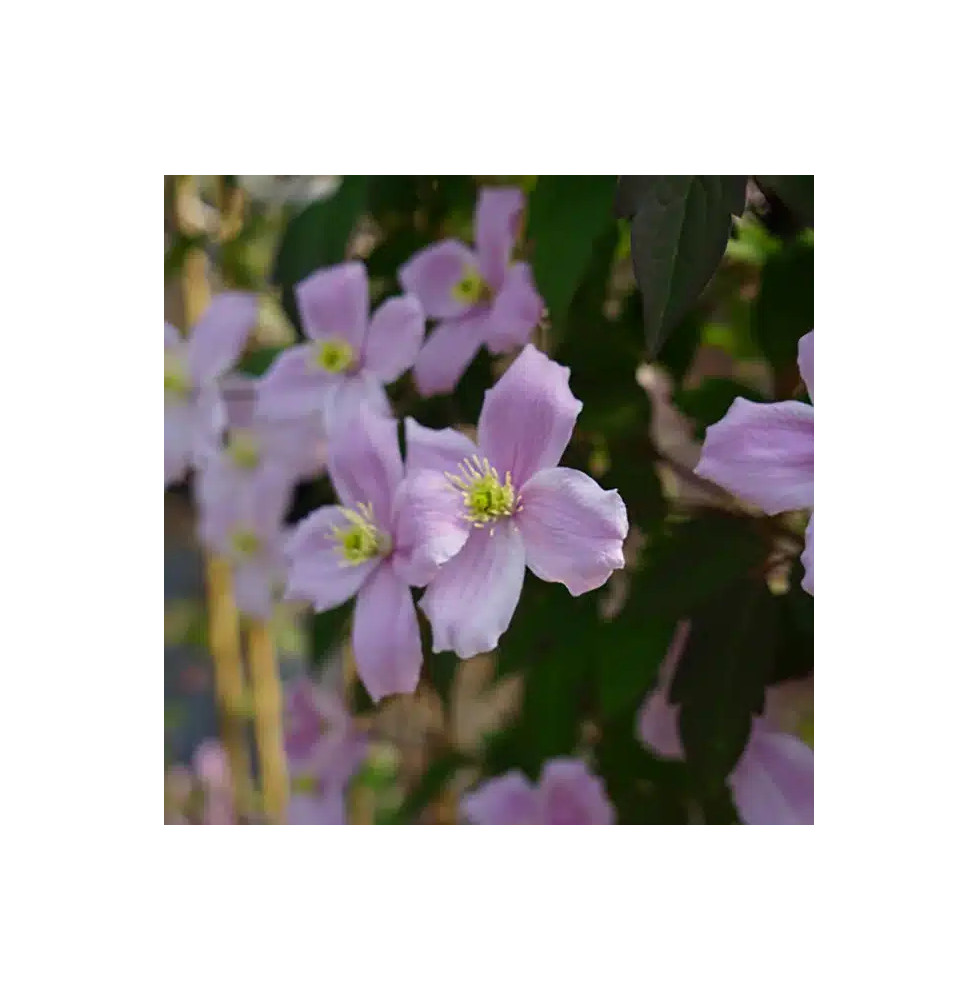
{"x": 361, "y": 539}
{"x": 243, "y": 449}
{"x": 471, "y": 288}
{"x": 245, "y": 543}
{"x": 334, "y": 355}
{"x": 485, "y": 496}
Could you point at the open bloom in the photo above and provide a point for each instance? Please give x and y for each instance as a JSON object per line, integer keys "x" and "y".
{"x": 347, "y": 359}
{"x": 359, "y": 548}
{"x": 193, "y": 412}
{"x": 325, "y": 750}
{"x": 773, "y": 783}
{"x": 485, "y": 512}
{"x": 244, "y": 522}
{"x": 568, "y": 793}
{"x": 764, "y": 453}
{"x": 480, "y": 297}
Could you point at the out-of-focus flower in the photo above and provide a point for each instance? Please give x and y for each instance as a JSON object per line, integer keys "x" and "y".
{"x": 325, "y": 750}
{"x": 193, "y": 412}
{"x": 764, "y": 453}
{"x": 213, "y": 771}
{"x": 773, "y": 783}
{"x": 360, "y": 548}
{"x": 347, "y": 360}
{"x": 243, "y": 521}
{"x": 289, "y": 189}
{"x": 484, "y": 513}
{"x": 479, "y": 296}
{"x": 568, "y": 793}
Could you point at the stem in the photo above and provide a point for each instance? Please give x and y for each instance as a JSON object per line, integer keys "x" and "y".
{"x": 269, "y": 737}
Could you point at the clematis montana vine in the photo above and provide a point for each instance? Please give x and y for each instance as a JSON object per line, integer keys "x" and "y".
{"x": 479, "y": 296}
{"x": 325, "y": 750}
{"x": 363, "y": 547}
{"x": 193, "y": 412}
{"x": 764, "y": 453}
{"x": 773, "y": 783}
{"x": 347, "y": 360}
{"x": 568, "y": 793}
{"x": 484, "y": 512}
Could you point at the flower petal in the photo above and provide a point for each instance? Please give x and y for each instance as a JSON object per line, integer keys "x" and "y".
{"x": 763, "y": 453}
{"x": 343, "y": 397}
{"x": 658, "y": 726}
{"x": 508, "y": 800}
{"x": 572, "y": 795}
{"x": 171, "y": 336}
{"x": 394, "y": 338}
{"x": 432, "y": 274}
{"x": 316, "y": 810}
{"x": 497, "y": 221}
{"x": 333, "y": 303}
{"x": 364, "y": 463}
{"x": 808, "y": 558}
{"x": 448, "y": 351}
{"x": 294, "y": 387}
{"x": 528, "y": 416}
{"x": 774, "y": 781}
{"x": 438, "y": 451}
{"x": 386, "y": 636}
{"x": 806, "y": 362}
{"x": 516, "y": 310}
{"x": 316, "y": 573}
{"x": 254, "y": 580}
{"x": 471, "y": 601}
{"x": 220, "y": 335}
{"x": 428, "y": 527}
{"x": 573, "y": 530}
{"x": 177, "y": 439}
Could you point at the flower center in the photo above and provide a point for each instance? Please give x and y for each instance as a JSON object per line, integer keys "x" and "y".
{"x": 471, "y": 288}
{"x": 243, "y": 449}
{"x": 486, "y": 498}
{"x": 176, "y": 381}
{"x": 334, "y": 355}
{"x": 360, "y": 539}
{"x": 245, "y": 543}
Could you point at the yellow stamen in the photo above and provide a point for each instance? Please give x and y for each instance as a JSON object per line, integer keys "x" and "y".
{"x": 334, "y": 355}
{"x": 471, "y": 288}
{"x": 486, "y": 498}
{"x": 245, "y": 543}
{"x": 243, "y": 449}
{"x": 362, "y": 540}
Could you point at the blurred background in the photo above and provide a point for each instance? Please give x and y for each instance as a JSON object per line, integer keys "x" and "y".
{"x": 571, "y": 676}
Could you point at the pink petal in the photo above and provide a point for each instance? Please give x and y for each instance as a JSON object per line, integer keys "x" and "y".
{"x": 471, "y": 600}
{"x": 806, "y": 362}
{"x": 763, "y": 453}
{"x": 438, "y": 451}
{"x": 497, "y": 221}
{"x": 428, "y": 528}
{"x": 220, "y": 335}
{"x": 774, "y": 781}
{"x": 658, "y": 725}
{"x": 316, "y": 573}
{"x": 508, "y": 800}
{"x": 333, "y": 304}
{"x": 432, "y": 274}
{"x": 449, "y": 350}
{"x": 294, "y": 387}
{"x": 572, "y": 529}
{"x": 343, "y": 397}
{"x": 171, "y": 336}
{"x": 573, "y": 796}
{"x": 516, "y": 310}
{"x": 315, "y": 810}
{"x": 177, "y": 438}
{"x": 394, "y": 338}
{"x": 386, "y": 636}
{"x": 364, "y": 462}
{"x": 254, "y": 581}
{"x": 528, "y": 416}
{"x": 808, "y": 558}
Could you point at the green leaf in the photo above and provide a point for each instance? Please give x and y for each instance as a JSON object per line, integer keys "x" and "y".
{"x": 680, "y": 228}
{"x": 327, "y": 630}
{"x": 565, "y": 216}
{"x": 797, "y": 191}
{"x": 317, "y": 237}
{"x": 785, "y": 307}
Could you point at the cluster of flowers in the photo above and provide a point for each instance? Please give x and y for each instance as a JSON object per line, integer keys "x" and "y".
{"x": 461, "y": 519}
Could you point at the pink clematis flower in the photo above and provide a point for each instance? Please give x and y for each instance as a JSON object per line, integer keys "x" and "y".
{"x": 362, "y": 548}
{"x": 568, "y": 793}
{"x": 764, "y": 453}
{"x": 347, "y": 360}
{"x": 243, "y": 521}
{"x": 774, "y": 780}
{"x": 193, "y": 412}
{"x": 480, "y": 297}
{"x": 483, "y": 513}
{"x": 325, "y": 750}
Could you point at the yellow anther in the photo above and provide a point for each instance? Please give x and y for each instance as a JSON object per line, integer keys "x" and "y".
{"x": 486, "y": 498}
{"x": 361, "y": 539}
{"x": 334, "y": 355}
{"x": 243, "y": 449}
{"x": 471, "y": 288}
{"x": 245, "y": 543}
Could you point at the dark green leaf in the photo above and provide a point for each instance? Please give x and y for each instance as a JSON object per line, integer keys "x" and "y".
{"x": 785, "y": 308}
{"x": 680, "y": 227}
{"x": 797, "y": 191}
{"x": 709, "y": 401}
